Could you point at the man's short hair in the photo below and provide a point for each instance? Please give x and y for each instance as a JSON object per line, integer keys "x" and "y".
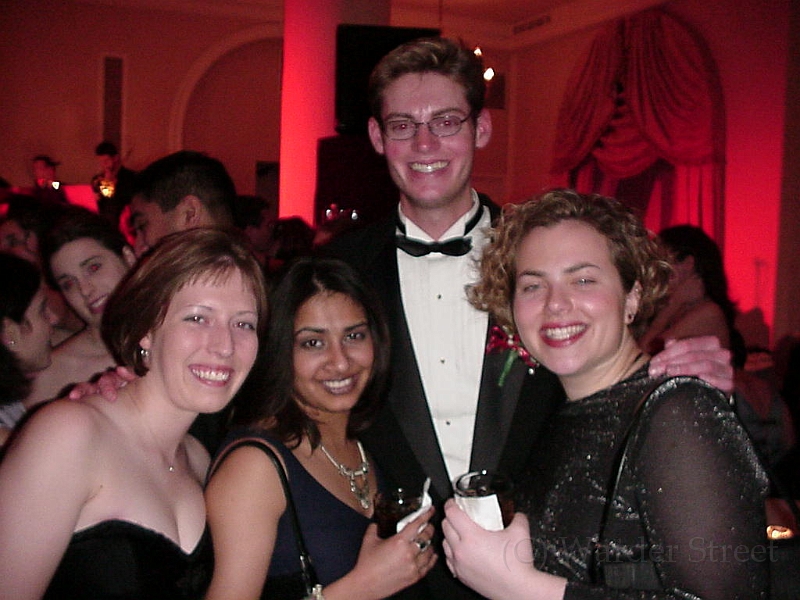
{"x": 106, "y": 148}
{"x": 168, "y": 180}
{"x": 429, "y": 55}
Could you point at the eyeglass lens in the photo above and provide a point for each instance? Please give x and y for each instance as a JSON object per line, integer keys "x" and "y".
{"x": 442, "y": 126}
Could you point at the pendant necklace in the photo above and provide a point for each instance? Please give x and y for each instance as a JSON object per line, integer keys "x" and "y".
{"x": 362, "y": 492}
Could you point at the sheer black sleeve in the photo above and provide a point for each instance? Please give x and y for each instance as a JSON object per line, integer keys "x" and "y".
{"x": 700, "y": 493}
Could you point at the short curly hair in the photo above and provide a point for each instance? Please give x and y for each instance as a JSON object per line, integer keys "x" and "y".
{"x": 634, "y": 252}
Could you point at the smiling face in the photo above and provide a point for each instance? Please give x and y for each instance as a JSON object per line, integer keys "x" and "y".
{"x": 570, "y": 307}
{"x": 87, "y": 272}
{"x": 432, "y": 173}
{"x": 30, "y": 339}
{"x": 205, "y": 347}
{"x": 333, "y": 355}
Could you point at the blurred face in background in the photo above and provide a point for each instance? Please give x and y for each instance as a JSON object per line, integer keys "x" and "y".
{"x": 18, "y": 241}
{"x": 149, "y": 224}
{"x": 109, "y": 164}
{"x": 87, "y": 273}
{"x": 43, "y": 172}
{"x": 30, "y": 339}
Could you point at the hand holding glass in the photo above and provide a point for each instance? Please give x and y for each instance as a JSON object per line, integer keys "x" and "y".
{"x": 487, "y": 497}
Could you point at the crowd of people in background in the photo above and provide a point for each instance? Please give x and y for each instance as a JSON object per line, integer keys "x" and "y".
{"x": 369, "y": 363}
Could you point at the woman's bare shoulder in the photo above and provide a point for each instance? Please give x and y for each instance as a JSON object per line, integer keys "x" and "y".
{"x": 58, "y": 439}
{"x": 71, "y": 419}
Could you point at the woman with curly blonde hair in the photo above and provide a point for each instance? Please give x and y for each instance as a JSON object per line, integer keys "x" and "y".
{"x": 578, "y": 278}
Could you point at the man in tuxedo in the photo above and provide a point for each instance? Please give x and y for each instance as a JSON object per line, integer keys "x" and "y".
{"x": 451, "y": 407}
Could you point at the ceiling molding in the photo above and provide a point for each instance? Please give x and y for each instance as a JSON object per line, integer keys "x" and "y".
{"x": 563, "y": 18}
{"x": 568, "y": 18}
{"x": 257, "y": 10}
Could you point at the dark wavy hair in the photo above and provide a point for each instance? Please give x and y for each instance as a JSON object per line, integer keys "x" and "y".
{"x": 267, "y": 398}
{"x": 688, "y": 240}
{"x": 634, "y": 252}
{"x": 21, "y": 282}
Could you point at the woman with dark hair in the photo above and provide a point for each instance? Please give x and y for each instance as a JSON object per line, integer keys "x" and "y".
{"x": 26, "y": 325}
{"x": 698, "y": 292}
{"x": 325, "y": 361}
{"x": 103, "y": 499}
{"x": 577, "y": 278}
{"x": 85, "y": 257}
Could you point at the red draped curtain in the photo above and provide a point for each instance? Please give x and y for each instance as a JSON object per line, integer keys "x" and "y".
{"x": 642, "y": 120}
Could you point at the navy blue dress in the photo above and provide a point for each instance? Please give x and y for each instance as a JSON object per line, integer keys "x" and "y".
{"x": 331, "y": 529}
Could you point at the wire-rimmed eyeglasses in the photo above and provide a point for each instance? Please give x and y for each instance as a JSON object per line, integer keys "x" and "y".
{"x": 442, "y": 126}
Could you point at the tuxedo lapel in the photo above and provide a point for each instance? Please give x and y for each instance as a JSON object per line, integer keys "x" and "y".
{"x": 496, "y": 407}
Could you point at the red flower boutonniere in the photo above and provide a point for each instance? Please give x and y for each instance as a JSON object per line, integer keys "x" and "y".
{"x": 501, "y": 341}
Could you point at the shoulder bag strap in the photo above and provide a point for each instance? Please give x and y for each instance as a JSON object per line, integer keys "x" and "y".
{"x": 309, "y": 575}
{"x": 621, "y": 459}
{"x": 618, "y": 574}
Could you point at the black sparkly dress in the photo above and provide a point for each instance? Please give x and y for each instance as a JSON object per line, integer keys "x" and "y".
{"x": 691, "y": 500}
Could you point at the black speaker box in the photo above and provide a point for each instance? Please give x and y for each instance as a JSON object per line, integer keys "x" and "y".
{"x": 358, "y": 50}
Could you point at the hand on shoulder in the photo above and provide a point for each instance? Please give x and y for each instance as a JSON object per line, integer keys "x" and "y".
{"x": 106, "y": 385}
{"x": 701, "y": 356}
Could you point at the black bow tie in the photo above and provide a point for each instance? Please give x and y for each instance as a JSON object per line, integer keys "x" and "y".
{"x": 453, "y": 247}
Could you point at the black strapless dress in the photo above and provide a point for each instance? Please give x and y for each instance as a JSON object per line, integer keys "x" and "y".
{"x": 120, "y": 560}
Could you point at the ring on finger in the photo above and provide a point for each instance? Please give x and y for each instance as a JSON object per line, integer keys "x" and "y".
{"x": 422, "y": 545}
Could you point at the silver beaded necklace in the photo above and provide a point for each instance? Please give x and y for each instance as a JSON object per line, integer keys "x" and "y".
{"x": 362, "y": 492}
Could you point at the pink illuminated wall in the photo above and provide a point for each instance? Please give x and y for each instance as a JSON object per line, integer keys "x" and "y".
{"x": 750, "y": 47}
{"x": 307, "y": 107}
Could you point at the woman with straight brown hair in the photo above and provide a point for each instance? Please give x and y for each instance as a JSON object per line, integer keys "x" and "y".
{"x": 104, "y": 499}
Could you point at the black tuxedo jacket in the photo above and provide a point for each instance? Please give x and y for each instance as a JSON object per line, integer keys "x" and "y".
{"x": 402, "y": 439}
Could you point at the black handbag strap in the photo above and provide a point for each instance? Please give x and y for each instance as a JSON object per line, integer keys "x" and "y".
{"x": 625, "y": 575}
{"x": 622, "y": 456}
{"x": 307, "y": 568}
